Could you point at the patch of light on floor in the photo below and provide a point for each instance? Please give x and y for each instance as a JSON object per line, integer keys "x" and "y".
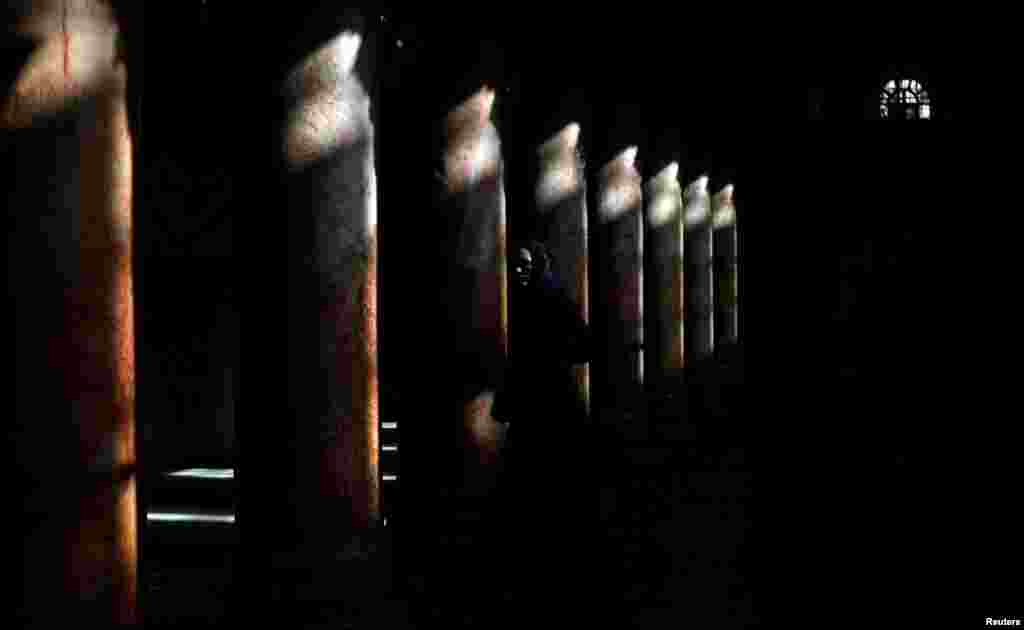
{"x": 176, "y": 517}
{"x": 204, "y": 473}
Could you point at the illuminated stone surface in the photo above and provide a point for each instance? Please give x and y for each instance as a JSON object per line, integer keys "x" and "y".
{"x": 73, "y": 83}
{"x": 474, "y": 186}
{"x": 561, "y": 192}
{"x": 665, "y": 229}
{"x": 77, "y": 48}
{"x": 699, "y": 289}
{"x": 328, "y": 146}
{"x": 620, "y": 234}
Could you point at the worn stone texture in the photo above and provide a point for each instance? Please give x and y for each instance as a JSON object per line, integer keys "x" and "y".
{"x": 77, "y": 48}
{"x": 328, "y": 146}
{"x": 69, "y": 100}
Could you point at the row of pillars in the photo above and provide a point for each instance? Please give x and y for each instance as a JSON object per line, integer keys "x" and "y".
{"x": 328, "y": 168}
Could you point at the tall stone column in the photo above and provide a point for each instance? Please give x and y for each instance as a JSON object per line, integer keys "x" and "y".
{"x": 618, "y": 263}
{"x": 328, "y": 150}
{"x": 474, "y": 188}
{"x": 561, "y": 192}
{"x": 699, "y": 289}
{"x": 723, "y": 218}
{"x": 665, "y": 223}
{"x": 77, "y": 71}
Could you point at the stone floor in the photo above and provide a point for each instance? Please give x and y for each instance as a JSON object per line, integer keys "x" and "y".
{"x": 651, "y": 531}
{"x": 664, "y": 545}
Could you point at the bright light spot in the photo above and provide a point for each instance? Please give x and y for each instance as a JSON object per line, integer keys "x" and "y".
{"x": 399, "y": 43}
{"x": 556, "y": 184}
{"x": 560, "y": 173}
{"x": 390, "y": 477}
{"x": 54, "y": 76}
{"x": 724, "y": 211}
{"x": 390, "y": 448}
{"x": 661, "y": 211}
{"x": 618, "y": 200}
{"x": 666, "y": 196}
{"x": 697, "y": 202}
{"x": 205, "y": 473}
{"x": 389, "y": 425}
{"x": 628, "y": 157}
{"x": 474, "y": 148}
{"x": 621, "y": 189}
{"x": 472, "y": 113}
{"x": 670, "y": 172}
{"x": 327, "y": 113}
{"x": 571, "y": 134}
{"x": 174, "y": 517}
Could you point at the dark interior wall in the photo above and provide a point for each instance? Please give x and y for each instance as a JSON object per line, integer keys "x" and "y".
{"x": 42, "y": 211}
{"x": 187, "y": 186}
{"x": 627, "y": 81}
{"x": 626, "y": 78}
{"x": 211, "y": 126}
{"x": 888, "y": 213}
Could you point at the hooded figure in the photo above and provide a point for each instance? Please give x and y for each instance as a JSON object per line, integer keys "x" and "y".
{"x": 540, "y": 402}
{"x": 548, "y": 337}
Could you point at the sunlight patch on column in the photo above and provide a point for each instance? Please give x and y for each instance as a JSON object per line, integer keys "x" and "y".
{"x": 559, "y": 167}
{"x": 621, "y": 189}
{"x": 331, "y": 107}
{"x": 473, "y": 152}
{"x": 723, "y": 209}
{"x": 666, "y": 196}
{"x": 697, "y": 202}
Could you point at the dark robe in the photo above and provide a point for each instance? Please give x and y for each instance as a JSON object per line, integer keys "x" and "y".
{"x": 548, "y": 337}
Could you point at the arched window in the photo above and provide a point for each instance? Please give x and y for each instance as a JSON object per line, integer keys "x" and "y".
{"x": 904, "y": 99}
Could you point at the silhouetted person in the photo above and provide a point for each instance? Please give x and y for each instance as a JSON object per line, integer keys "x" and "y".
{"x": 540, "y": 499}
{"x": 548, "y": 337}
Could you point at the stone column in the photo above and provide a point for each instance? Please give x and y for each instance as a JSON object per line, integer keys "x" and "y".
{"x": 561, "y": 192}
{"x": 328, "y": 150}
{"x": 77, "y": 71}
{"x": 619, "y": 266}
{"x": 665, "y": 222}
{"x": 106, "y": 341}
{"x": 723, "y": 218}
{"x": 697, "y": 229}
{"x": 474, "y": 187}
